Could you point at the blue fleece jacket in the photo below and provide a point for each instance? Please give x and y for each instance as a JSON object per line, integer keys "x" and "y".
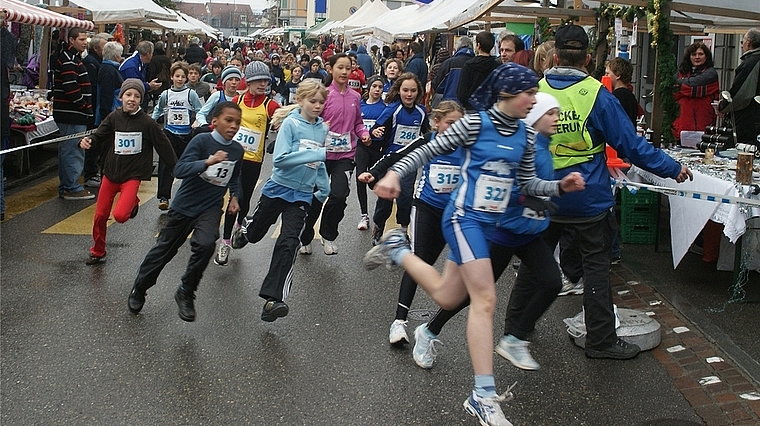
{"x": 299, "y": 156}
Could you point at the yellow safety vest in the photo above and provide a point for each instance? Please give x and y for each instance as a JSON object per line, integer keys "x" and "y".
{"x": 572, "y": 144}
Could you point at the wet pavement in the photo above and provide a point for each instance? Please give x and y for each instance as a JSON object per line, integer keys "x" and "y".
{"x": 71, "y": 353}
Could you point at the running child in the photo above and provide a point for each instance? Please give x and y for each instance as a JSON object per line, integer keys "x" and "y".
{"x": 519, "y": 234}
{"x": 342, "y": 112}
{"x": 257, "y": 109}
{"x": 178, "y": 105}
{"x": 367, "y": 155}
{"x": 231, "y": 78}
{"x": 356, "y": 79}
{"x": 289, "y": 92}
{"x": 498, "y": 151}
{"x": 439, "y": 178}
{"x": 299, "y": 167}
{"x": 393, "y": 69}
{"x": 209, "y": 166}
{"x": 126, "y": 138}
{"x": 400, "y": 124}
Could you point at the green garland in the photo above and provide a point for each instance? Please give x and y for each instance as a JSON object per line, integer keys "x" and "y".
{"x": 662, "y": 40}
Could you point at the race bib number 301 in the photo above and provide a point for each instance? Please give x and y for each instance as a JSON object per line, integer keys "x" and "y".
{"x": 492, "y": 194}
{"x": 219, "y": 174}
{"x": 127, "y": 143}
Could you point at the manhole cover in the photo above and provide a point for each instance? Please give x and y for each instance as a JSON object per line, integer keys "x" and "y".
{"x": 421, "y": 314}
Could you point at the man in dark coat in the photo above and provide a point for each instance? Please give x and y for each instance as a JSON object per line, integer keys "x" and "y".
{"x": 195, "y": 53}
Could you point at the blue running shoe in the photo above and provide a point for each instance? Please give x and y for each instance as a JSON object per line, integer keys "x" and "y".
{"x": 424, "y": 351}
{"x": 381, "y": 254}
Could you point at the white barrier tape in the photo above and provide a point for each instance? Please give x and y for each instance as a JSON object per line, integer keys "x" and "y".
{"x": 704, "y": 196}
{"x": 60, "y": 139}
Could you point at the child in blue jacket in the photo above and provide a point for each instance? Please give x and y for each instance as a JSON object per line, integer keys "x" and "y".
{"x": 299, "y": 167}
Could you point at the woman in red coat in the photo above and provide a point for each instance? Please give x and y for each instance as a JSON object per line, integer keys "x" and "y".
{"x": 699, "y": 87}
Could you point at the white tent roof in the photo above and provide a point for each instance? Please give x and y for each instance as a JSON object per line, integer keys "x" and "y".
{"x": 186, "y": 24}
{"x": 18, "y": 11}
{"x": 405, "y": 21}
{"x": 365, "y": 15}
{"x": 129, "y": 11}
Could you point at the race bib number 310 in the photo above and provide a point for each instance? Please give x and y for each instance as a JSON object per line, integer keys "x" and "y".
{"x": 249, "y": 139}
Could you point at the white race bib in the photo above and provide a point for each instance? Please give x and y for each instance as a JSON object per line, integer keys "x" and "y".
{"x": 492, "y": 194}
{"x": 368, "y": 124}
{"x": 249, "y": 139}
{"x": 178, "y": 117}
{"x": 355, "y": 84}
{"x": 444, "y": 178}
{"x": 336, "y": 142}
{"x": 127, "y": 143}
{"x": 406, "y": 134}
{"x": 306, "y": 144}
{"x": 219, "y": 174}
{"x": 292, "y": 97}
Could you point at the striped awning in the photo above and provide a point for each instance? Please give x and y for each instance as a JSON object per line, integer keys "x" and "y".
{"x": 18, "y": 11}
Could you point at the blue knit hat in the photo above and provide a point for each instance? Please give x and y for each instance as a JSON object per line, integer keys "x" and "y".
{"x": 231, "y": 71}
{"x": 507, "y": 78}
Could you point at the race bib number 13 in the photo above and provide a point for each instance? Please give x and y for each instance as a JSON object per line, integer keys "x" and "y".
{"x": 219, "y": 174}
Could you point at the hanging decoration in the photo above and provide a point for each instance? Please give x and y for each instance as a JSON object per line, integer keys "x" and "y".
{"x": 662, "y": 40}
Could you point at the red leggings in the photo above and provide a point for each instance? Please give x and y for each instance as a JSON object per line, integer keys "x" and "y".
{"x": 121, "y": 212}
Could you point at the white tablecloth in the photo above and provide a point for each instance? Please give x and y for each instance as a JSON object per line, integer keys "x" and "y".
{"x": 44, "y": 128}
{"x": 688, "y": 216}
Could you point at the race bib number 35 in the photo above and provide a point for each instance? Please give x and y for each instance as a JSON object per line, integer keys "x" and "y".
{"x": 249, "y": 139}
{"x": 127, "y": 143}
{"x": 178, "y": 117}
{"x": 443, "y": 178}
{"x": 492, "y": 194}
{"x": 219, "y": 174}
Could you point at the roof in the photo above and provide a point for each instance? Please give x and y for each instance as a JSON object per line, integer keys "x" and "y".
{"x": 17, "y": 11}
{"x": 124, "y": 11}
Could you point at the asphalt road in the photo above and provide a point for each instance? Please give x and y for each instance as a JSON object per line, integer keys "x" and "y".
{"x": 71, "y": 353}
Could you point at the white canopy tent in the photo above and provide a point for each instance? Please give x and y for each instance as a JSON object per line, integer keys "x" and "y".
{"x": 408, "y": 20}
{"x": 365, "y": 15}
{"x": 131, "y": 11}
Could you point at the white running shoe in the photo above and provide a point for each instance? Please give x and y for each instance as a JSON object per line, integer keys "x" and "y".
{"x": 487, "y": 410}
{"x": 424, "y": 351}
{"x": 398, "y": 332}
{"x": 569, "y": 287}
{"x": 380, "y": 254}
{"x": 329, "y": 246}
{"x": 516, "y": 351}
{"x": 306, "y": 249}
{"x": 223, "y": 255}
{"x": 363, "y": 223}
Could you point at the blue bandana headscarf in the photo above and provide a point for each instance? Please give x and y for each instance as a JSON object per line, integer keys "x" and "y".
{"x": 507, "y": 78}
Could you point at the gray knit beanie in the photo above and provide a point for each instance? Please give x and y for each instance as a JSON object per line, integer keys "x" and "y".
{"x": 133, "y": 83}
{"x": 257, "y": 70}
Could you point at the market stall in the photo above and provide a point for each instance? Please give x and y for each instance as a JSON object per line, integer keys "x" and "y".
{"x": 30, "y": 110}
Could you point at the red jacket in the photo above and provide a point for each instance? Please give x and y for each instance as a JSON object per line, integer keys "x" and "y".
{"x": 698, "y": 89}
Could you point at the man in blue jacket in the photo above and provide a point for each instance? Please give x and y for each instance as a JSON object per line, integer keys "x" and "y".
{"x": 589, "y": 117}
{"x": 365, "y": 62}
{"x": 417, "y": 64}
{"x": 136, "y": 66}
{"x": 447, "y": 78}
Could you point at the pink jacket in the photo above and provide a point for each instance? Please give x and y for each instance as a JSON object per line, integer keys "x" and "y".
{"x": 343, "y": 113}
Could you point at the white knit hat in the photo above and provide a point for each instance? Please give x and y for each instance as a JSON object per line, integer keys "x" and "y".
{"x": 544, "y": 103}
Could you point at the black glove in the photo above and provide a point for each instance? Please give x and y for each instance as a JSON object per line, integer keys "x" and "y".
{"x": 538, "y": 204}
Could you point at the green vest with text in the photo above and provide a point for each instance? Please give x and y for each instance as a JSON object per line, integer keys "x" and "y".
{"x": 572, "y": 144}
